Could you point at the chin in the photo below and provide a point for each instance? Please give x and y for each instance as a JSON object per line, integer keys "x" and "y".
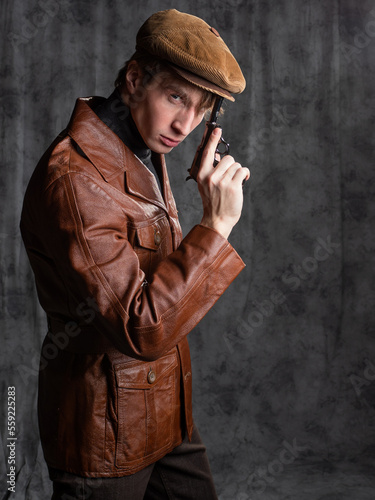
{"x": 161, "y": 149}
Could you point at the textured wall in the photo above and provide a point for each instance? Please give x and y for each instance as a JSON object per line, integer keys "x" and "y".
{"x": 284, "y": 365}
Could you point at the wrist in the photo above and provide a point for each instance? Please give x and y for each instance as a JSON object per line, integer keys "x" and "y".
{"x": 219, "y": 226}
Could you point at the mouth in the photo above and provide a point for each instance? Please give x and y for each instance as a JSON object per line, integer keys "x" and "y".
{"x": 171, "y": 143}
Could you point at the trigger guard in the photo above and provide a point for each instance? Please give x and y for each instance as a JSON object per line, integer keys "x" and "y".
{"x": 222, "y": 153}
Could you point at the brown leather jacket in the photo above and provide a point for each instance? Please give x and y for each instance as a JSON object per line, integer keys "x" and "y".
{"x": 122, "y": 290}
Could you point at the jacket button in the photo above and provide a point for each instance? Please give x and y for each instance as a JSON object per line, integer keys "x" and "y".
{"x": 157, "y": 238}
{"x": 151, "y": 376}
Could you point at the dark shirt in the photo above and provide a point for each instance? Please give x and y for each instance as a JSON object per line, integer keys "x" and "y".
{"x": 116, "y": 115}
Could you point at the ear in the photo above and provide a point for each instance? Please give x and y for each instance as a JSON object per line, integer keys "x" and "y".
{"x": 133, "y": 77}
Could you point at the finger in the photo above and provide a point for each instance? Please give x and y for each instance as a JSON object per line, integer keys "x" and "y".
{"x": 242, "y": 175}
{"x": 209, "y": 153}
{"x": 232, "y": 171}
{"x": 225, "y": 162}
{"x": 228, "y": 168}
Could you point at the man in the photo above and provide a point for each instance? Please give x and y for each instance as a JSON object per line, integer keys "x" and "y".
{"x": 120, "y": 286}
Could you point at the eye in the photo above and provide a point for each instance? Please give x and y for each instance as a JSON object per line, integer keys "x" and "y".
{"x": 176, "y": 97}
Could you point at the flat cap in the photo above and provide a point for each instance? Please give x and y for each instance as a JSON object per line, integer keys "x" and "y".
{"x": 194, "y": 49}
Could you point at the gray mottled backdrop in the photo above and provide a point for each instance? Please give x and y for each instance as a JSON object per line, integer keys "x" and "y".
{"x": 284, "y": 364}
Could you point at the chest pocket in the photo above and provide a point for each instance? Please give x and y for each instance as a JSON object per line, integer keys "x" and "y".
{"x": 152, "y": 243}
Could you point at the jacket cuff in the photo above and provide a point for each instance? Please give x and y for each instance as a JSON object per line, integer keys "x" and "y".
{"x": 214, "y": 242}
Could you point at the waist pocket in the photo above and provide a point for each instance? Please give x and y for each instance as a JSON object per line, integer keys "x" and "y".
{"x": 146, "y": 399}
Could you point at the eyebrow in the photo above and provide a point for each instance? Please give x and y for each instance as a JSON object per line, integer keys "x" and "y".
{"x": 175, "y": 87}
{"x": 179, "y": 87}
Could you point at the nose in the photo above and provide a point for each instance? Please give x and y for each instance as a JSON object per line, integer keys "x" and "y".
{"x": 186, "y": 121}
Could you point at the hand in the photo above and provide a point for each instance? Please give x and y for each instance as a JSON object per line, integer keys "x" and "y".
{"x": 220, "y": 188}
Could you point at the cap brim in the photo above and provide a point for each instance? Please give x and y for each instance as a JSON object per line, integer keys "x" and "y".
{"x": 201, "y": 82}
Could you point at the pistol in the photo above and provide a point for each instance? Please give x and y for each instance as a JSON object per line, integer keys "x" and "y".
{"x": 222, "y": 147}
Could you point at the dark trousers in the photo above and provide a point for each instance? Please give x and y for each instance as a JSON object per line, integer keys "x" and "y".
{"x": 183, "y": 474}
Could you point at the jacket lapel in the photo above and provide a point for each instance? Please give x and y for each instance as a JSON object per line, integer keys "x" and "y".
{"x": 140, "y": 182}
{"x": 159, "y": 160}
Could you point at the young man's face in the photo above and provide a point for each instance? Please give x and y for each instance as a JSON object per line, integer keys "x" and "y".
{"x": 165, "y": 111}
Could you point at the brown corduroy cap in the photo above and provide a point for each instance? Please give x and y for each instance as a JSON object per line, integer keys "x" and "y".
{"x": 193, "y": 49}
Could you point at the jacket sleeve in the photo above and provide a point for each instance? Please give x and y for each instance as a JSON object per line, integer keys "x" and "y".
{"x": 87, "y": 233}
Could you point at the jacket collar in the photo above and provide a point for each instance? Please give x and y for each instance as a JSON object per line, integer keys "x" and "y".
{"x": 112, "y": 158}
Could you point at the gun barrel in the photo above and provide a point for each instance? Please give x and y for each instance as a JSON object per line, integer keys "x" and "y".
{"x": 216, "y": 109}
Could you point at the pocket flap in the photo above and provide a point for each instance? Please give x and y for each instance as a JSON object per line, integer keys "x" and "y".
{"x": 149, "y": 237}
{"x": 144, "y": 374}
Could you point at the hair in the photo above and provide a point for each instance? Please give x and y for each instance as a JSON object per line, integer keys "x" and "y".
{"x": 151, "y": 67}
